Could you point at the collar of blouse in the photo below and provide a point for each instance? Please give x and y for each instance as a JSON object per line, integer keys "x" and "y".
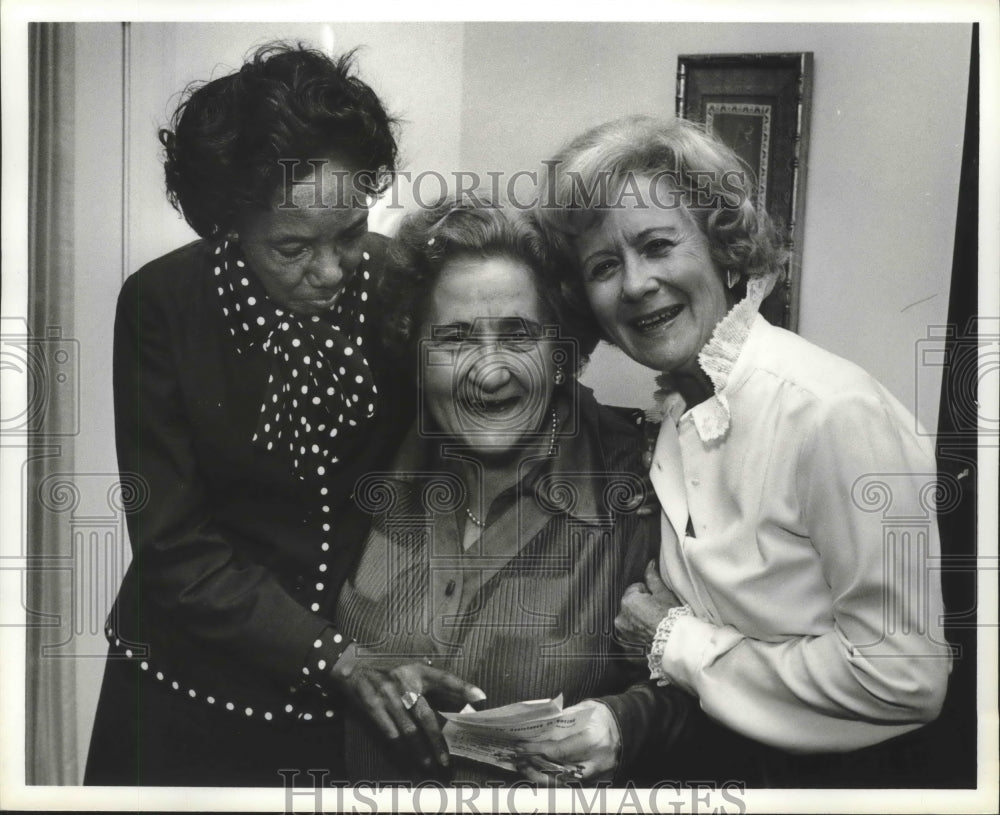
{"x": 717, "y": 359}
{"x": 321, "y": 393}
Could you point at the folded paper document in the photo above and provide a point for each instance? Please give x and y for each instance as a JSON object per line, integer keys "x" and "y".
{"x": 489, "y": 736}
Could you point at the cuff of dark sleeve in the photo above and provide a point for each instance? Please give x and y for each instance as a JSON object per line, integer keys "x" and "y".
{"x": 323, "y": 654}
{"x": 650, "y": 719}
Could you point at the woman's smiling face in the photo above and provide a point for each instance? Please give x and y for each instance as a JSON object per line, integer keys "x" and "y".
{"x": 486, "y": 373}
{"x": 652, "y": 284}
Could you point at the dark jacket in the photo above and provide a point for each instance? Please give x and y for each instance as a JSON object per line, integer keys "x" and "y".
{"x": 225, "y": 538}
{"x": 528, "y": 611}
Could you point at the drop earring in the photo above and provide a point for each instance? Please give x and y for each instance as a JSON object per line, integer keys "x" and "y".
{"x": 732, "y": 278}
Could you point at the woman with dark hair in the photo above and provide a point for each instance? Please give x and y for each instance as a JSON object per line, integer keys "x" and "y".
{"x": 509, "y": 522}
{"x": 802, "y": 622}
{"x": 251, "y": 393}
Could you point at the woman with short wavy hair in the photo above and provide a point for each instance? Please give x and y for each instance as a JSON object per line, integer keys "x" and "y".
{"x": 779, "y": 600}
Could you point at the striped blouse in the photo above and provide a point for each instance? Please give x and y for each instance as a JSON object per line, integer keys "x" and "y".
{"x": 527, "y": 612}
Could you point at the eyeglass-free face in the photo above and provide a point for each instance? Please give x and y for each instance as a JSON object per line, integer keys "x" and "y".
{"x": 306, "y": 247}
{"x": 652, "y": 284}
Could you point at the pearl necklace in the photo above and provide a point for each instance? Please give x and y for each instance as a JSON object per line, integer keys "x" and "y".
{"x": 554, "y": 419}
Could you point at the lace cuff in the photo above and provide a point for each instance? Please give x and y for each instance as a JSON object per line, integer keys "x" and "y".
{"x": 660, "y": 638}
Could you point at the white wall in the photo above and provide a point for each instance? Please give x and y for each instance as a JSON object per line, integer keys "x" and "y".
{"x": 97, "y": 256}
{"x": 888, "y": 119}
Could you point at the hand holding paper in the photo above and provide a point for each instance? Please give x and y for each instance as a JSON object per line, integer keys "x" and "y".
{"x": 592, "y": 749}
{"x": 495, "y": 736}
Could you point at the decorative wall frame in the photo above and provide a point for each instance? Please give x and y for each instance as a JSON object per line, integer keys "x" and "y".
{"x": 759, "y": 105}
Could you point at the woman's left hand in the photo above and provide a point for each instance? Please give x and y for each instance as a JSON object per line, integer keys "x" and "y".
{"x": 644, "y": 605}
{"x": 592, "y": 753}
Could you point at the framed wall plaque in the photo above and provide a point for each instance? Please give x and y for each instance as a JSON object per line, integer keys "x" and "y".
{"x": 759, "y": 105}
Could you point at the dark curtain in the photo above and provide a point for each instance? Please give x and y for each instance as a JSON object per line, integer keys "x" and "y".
{"x": 50, "y": 697}
{"x": 955, "y": 732}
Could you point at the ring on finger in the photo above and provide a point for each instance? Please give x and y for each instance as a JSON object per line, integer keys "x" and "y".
{"x": 409, "y": 699}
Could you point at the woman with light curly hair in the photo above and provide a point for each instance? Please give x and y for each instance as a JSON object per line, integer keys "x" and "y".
{"x": 778, "y": 598}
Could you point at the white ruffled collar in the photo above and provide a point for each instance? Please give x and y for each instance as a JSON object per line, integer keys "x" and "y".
{"x": 717, "y": 359}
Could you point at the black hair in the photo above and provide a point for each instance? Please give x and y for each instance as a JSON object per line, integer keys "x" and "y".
{"x": 288, "y": 102}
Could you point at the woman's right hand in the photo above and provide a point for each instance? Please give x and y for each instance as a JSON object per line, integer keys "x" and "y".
{"x": 643, "y": 606}
{"x": 379, "y": 689}
{"x": 594, "y": 752}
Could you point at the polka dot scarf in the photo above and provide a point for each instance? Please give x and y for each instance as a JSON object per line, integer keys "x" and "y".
{"x": 320, "y": 392}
